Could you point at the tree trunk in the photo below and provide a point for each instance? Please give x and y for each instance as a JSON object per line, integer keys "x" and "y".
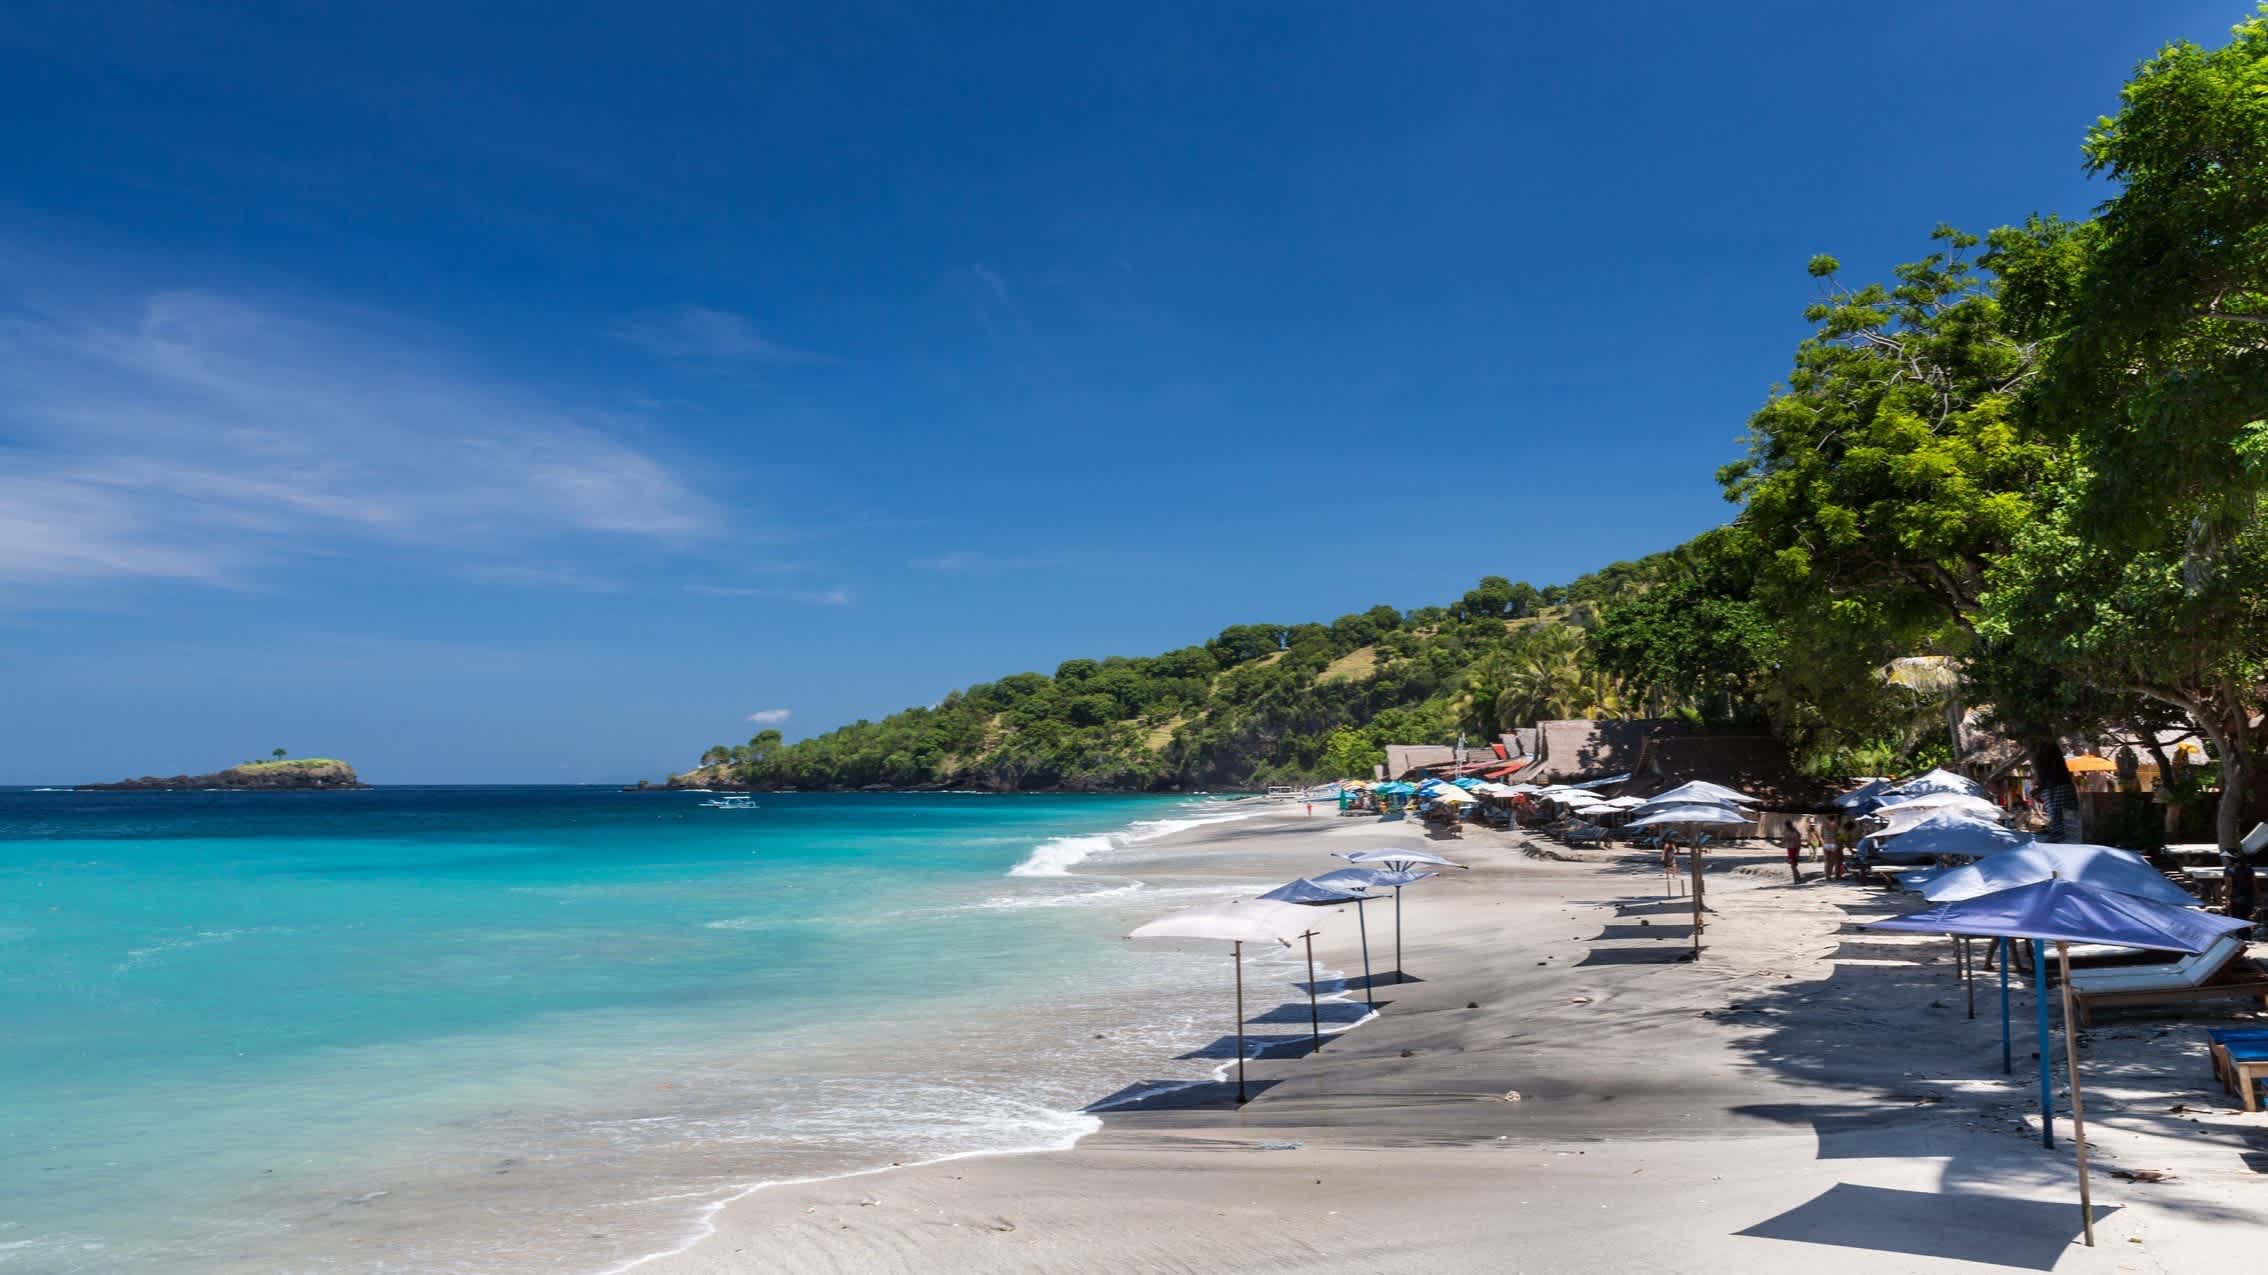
{"x": 2228, "y": 820}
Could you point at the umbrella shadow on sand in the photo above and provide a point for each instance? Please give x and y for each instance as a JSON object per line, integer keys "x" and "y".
{"x": 1174, "y": 1095}
{"x": 1958, "y": 1226}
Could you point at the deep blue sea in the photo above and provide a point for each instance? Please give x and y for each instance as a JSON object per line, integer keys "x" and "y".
{"x": 544, "y": 1029}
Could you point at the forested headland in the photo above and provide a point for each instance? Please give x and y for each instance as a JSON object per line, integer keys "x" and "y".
{"x": 2023, "y": 474}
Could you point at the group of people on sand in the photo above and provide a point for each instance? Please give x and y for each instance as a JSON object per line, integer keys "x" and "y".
{"x": 1833, "y": 848}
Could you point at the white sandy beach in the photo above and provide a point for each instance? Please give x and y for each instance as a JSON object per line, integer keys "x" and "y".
{"x": 1560, "y": 1093}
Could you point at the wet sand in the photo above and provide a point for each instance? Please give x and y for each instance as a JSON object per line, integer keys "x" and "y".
{"x": 1556, "y": 1090}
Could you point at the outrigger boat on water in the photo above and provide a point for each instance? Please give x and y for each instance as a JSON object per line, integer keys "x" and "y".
{"x": 730, "y": 803}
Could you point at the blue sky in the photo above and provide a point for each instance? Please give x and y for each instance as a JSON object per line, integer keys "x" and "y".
{"x": 537, "y": 392}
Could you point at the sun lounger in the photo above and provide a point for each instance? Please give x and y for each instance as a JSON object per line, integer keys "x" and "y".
{"x": 2220, "y": 972}
{"x": 2220, "y": 1041}
{"x": 2242, "y": 1065}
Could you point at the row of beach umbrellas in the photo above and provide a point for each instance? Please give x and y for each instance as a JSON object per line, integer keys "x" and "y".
{"x": 2019, "y": 889}
{"x": 1287, "y": 913}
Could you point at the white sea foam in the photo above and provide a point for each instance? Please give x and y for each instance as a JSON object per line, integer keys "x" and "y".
{"x": 1056, "y": 856}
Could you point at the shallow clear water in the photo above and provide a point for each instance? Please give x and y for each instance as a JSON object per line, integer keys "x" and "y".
{"x": 538, "y": 1029}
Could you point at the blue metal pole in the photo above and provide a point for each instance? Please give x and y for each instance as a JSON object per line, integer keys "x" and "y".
{"x": 2047, "y": 1082}
{"x": 2007, "y": 1049}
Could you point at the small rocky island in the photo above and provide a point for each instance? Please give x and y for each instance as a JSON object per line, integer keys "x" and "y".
{"x": 277, "y": 775}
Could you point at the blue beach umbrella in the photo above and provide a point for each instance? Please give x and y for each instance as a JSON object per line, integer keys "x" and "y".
{"x": 2063, "y": 913}
{"x": 1312, "y": 893}
{"x": 2100, "y": 866}
{"x": 1955, "y": 835}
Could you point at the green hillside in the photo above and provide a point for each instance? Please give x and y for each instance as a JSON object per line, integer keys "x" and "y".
{"x": 1258, "y": 703}
{"x": 2037, "y": 458}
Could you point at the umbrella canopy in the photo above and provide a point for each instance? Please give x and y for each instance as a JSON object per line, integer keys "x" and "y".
{"x": 1236, "y": 921}
{"x": 1351, "y": 879}
{"x": 2072, "y": 912}
{"x": 1703, "y": 790}
{"x": 1910, "y": 807}
{"x": 1687, "y": 812}
{"x": 1863, "y": 794}
{"x": 1392, "y": 855}
{"x": 1947, "y": 834}
{"x": 1939, "y": 780}
{"x": 1626, "y": 803}
{"x": 1448, "y": 796}
{"x": 2088, "y": 763}
{"x": 1899, "y": 825}
{"x": 1308, "y": 892}
{"x": 2100, "y": 866}
{"x": 2066, "y": 912}
{"x": 1469, "y": 784}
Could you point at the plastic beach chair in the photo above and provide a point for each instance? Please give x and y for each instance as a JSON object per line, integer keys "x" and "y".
{"x": 2245, "y": 1065}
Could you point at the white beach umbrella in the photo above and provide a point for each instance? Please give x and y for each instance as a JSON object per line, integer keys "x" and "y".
{"x": 1897, "y": 819}
{"x": 1626, "y": 803}
{"x": 1399, "y": 863}
{"x": 1689, "y": 812}
{"x": 1938, "y": 780}
{"x": 1236, "y": 922}
{"x": 1703, "y": 790}
{"x": 1939, "y": 801}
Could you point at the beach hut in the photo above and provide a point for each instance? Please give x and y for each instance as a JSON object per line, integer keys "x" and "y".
{"x": 2066, "y": 912}
{"x": 1236, "y": 922}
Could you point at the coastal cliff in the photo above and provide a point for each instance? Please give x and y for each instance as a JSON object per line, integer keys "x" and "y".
{"x": 261, "y": 776}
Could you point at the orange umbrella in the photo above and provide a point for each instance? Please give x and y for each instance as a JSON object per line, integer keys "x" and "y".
{"x": 2088, "y": 763}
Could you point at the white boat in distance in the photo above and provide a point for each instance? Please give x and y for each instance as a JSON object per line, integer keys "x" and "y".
{"x": 730, "y": 803}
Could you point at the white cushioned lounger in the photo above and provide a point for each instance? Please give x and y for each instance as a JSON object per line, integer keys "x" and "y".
{"x": 2189, "y": 971}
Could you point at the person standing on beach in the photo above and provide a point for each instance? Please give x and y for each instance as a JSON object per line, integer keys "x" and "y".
{"x": 2244, "y": 887}
{"x": 1840, "y": 848}
{"x": 1795, "y": 851}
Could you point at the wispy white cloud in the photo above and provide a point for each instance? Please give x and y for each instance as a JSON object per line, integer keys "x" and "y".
{"x": 704, "y": 335}
{"x": 770, "y": 716}
{"x": 192, "y": 435}
{"x": 837, "y": 596}
{"x": 532, "y": 576}
{"x": 991, "y": 279}
{"x": 962, "y": 560}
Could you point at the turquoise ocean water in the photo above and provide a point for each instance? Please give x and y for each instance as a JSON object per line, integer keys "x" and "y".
{"x": 545, "y": 1029}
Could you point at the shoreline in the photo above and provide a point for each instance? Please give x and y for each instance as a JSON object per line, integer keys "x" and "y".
{"x": 1551, "y": 1053}
{"x": 1192, "y": 830}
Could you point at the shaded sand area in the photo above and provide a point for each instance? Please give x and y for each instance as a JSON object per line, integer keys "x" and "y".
{"x": 1555, "y": 1090}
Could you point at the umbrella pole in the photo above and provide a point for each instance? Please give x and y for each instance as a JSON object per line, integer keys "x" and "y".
{"x": 1314, "y": 1016}
{"x": 2007, "y": 1049}
{"x": 2078, "y": 1105}
{"x": 1695, "y": 855}
{"x": 1397, "y": 934}
{"x": 2047, "y": 1085}
{"x": 1362, "y": 927}
{"x": 1238, "y": 949}
{"x": 1969, "y": 964}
